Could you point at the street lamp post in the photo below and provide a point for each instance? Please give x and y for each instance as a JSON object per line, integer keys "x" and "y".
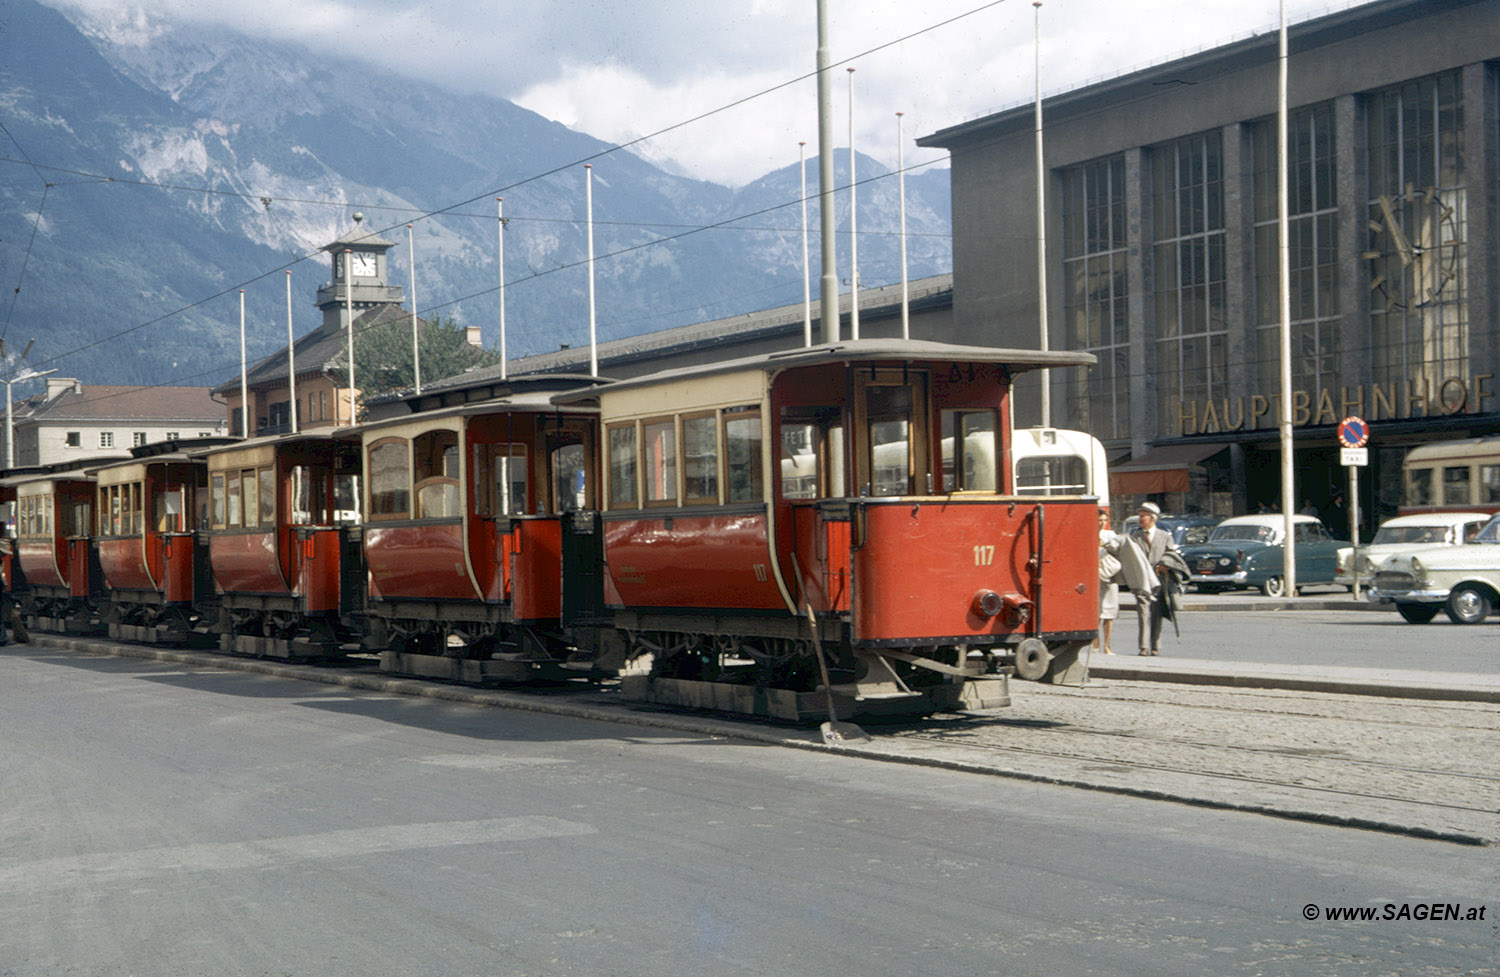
{"x": 10, "y": 427}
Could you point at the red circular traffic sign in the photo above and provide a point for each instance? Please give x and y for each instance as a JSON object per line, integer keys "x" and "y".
{"x": 1353, "y": 432}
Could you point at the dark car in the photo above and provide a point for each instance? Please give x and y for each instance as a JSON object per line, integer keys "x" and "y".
{"x": 1247, "y": 551}
{"x": 1185, "y": 530}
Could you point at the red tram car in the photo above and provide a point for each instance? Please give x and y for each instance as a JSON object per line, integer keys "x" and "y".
{"x": 279, "y": 540}
{"x": 744, "y": 499}
{"x": 479, "y": 539}
{"x": 154, "y": 564}
{"x": 55, "y": 567}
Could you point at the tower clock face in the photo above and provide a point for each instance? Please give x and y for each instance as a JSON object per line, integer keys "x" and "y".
{"x": 363, "y": 265}
{"x": 1413, "y": 252}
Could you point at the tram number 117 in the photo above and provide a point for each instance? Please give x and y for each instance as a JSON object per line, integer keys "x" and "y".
{"x": 984, "y": 556}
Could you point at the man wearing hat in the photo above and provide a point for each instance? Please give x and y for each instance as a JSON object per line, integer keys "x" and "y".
{"x": 1154, "y": 544}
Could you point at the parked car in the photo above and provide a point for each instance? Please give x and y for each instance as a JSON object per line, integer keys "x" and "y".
{"x": 1185, "y": 530}
{"x": 1406, "y": 534}
{"x": 1463, "y": 581}
{"x": 1246, "y": 551}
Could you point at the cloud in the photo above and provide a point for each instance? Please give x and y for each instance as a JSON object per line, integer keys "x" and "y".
{"x": 622, "y": 70}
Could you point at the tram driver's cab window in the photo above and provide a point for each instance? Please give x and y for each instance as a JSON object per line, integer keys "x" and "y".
{"x": 893, "y": 456}
{"x": 970, "y": 451}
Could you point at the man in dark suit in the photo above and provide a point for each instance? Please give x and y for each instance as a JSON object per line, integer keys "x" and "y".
{"x": 1154, "y": 544}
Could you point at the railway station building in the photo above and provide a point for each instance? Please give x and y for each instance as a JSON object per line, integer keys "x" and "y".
{"x": 1162, "y": 252}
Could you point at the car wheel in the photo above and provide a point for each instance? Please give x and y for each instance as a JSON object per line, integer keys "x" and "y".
{"x": 1273, "y": 587}
{"x": 1418, "y": 613}
{"x": 1468, "y": 605}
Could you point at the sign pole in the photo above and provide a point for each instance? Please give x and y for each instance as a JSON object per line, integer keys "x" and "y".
{"x": 1354, "y": 523}
{"x": 1354, "y": 434}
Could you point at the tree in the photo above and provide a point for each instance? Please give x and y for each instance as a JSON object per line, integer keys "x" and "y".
{"x": 383, "y": 353}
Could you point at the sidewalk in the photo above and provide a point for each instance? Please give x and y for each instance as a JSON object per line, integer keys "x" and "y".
{"x": 1395, "y": 683}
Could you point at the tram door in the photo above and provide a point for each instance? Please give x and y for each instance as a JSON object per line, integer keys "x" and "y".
{"x": 568, "y": 453}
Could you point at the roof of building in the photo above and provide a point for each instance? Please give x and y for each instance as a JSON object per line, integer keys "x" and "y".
{"x": 319, "y": 351}
{"x": 923, "y": 294}
{"x": 105, "y": 402}
{"x": 1134, "y": 85}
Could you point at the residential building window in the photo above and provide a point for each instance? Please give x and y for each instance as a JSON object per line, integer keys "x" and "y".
{"x": 1192, "y": 329}
{"x": 137, "y": 438}
{"x": 173, "y": 435}
{"x": 1312, "y": 211}
{"x": 106, "y": 439}
{"x": 1095, "y": 292}
{"x": 74, "y": 439}
{"x": 1418, "y": 221}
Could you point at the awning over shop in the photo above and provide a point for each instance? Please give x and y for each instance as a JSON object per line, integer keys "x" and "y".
{"x": 1163, "y": 469}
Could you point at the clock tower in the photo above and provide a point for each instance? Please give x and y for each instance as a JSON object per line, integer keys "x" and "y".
{"x": 359, "y": 276}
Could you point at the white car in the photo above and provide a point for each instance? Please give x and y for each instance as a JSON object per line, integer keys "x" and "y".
{"x": 1463, "y": 580}
{"x": 1406, "y": 534}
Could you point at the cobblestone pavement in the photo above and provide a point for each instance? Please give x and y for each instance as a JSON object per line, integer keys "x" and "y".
{"x": 1425, "y": 767}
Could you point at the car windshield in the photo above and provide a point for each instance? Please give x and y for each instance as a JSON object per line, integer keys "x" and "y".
{"x": 1256, "y": 534}
{"x": 1490, "y": 533}
{"x": 1411, "y": 534}
{"x": 1197, "y": 534}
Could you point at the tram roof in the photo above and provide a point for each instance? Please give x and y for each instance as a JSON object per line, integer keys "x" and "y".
{"x": 522, "y": 402}
{"x": 849, "y": 351}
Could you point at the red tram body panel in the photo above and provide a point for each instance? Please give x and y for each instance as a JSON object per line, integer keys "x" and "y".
{"x": 696, "y": 561}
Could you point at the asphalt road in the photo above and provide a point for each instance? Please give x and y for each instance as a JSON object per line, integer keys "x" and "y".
{"x": 1357, "y": 639}
{"x": 171, "y": 820}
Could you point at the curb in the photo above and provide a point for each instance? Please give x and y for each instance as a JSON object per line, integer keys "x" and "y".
{"x": 1296, "y": 683}
{"x": 705, "y": 725}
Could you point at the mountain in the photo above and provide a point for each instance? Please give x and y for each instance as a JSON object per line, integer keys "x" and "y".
{"x": 153, "y": 169}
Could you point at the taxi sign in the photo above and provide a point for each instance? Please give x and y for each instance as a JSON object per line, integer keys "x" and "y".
{"x": 1353, "y": 432}
{"x": 1358, "y": 457}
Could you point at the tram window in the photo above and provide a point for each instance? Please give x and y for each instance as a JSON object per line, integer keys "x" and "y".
{"x": 47, "y": 514}
{"x": 437, "y": 475}
{"x": 250, "y": 497}
{"x": 622, "y": 489}
{"x": 700, "y": 460}
{"x": 390, "y": 487}
{"x": 659, "y": 449}
{"x": 570, "y": 478}
{"x": 800, "y": 445}
{"x": 812, "y": 456}
{"x": 1419, "y": 486}
{"x": 500, "y": 479}
{"x": 217, "y": 502}
{"x": 74, "y": 519}
{"x": 169, "y": 509}
{"x": 1456, "y": 485}
{"x": 889, "y": 420}
{"x": 742, "y": 457}
{"x": 345, "y": 499}
{"x": 969, "y": 451}
{"x": 116, "y": 521}
{"x": 137, "y": 520}
{"x": 267, "y": 497}
{"x": 1489, "y": 484}
{"x": 234, "y": 517}
{"x": 1052, "y": 475}
{"x": 301, "y": 503}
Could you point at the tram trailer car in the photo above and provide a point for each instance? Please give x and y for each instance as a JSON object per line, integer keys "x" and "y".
{"x": 157, "y": 581}
{"x": 282, "y": 542}
{"x": 481, "y": 540}
{"x": 60, "y": 581}
{"x": 762, "y": 513}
